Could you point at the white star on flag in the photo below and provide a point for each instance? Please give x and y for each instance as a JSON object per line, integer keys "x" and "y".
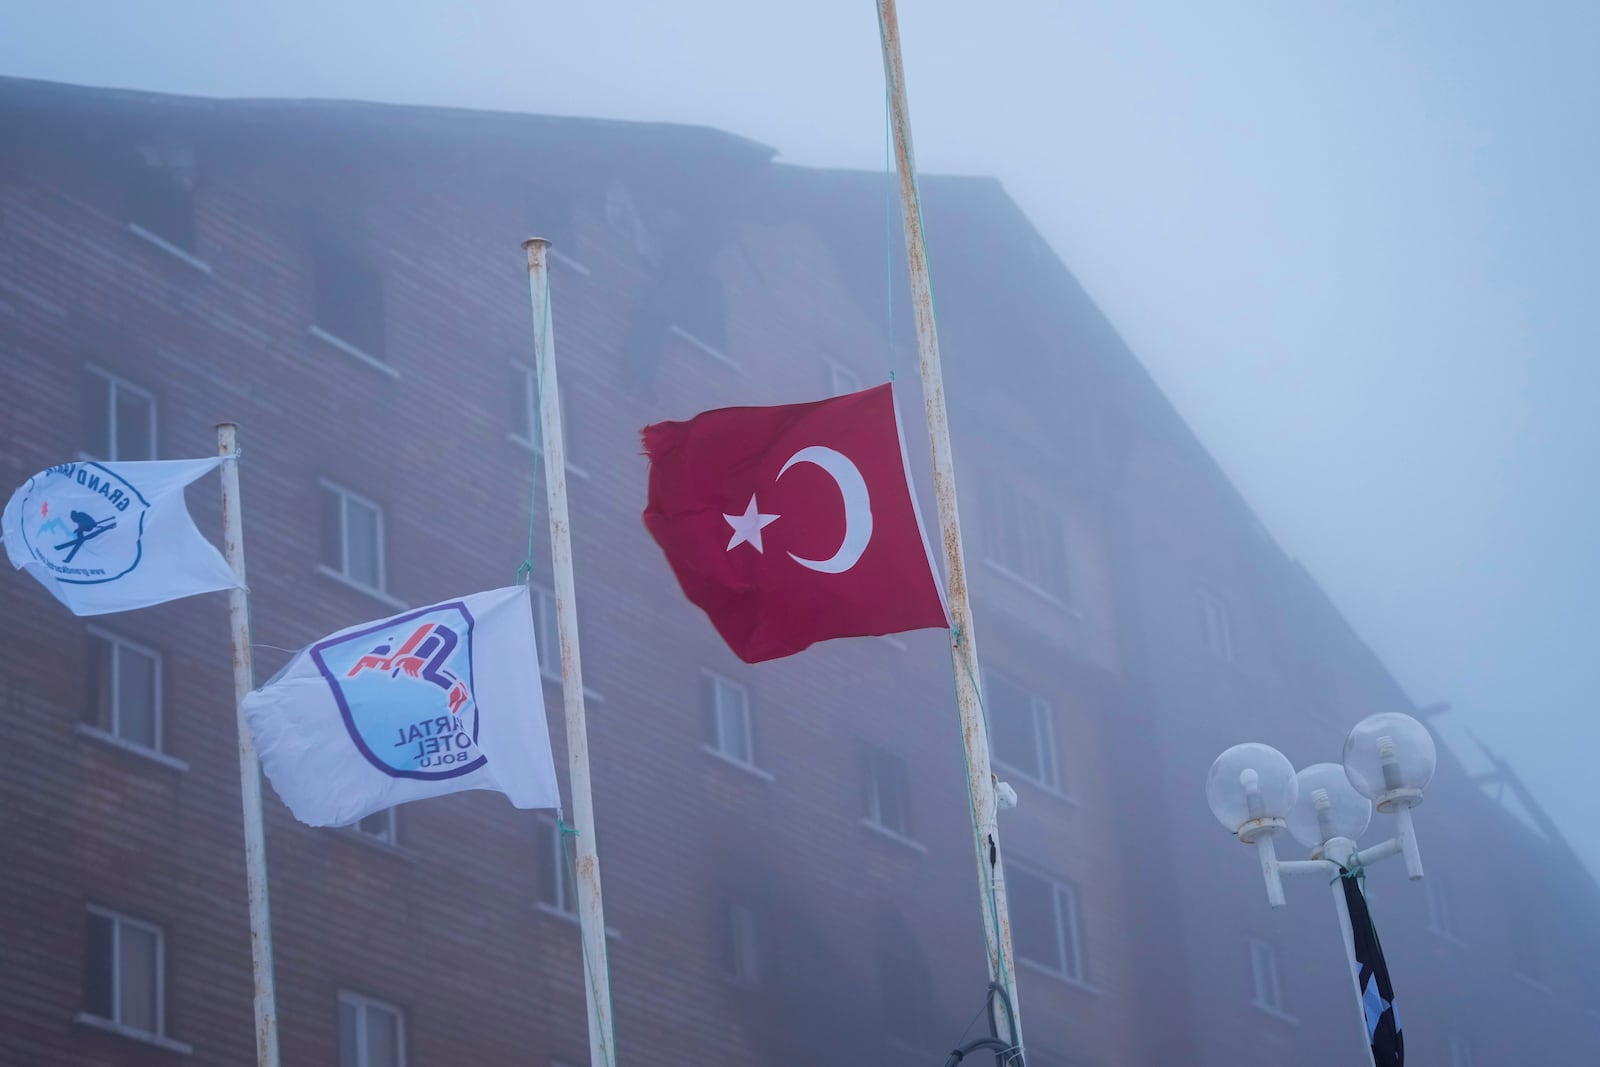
{"x": 747, "y": 527}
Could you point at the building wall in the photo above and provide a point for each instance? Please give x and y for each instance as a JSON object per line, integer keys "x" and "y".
{"x": 445, "y": 924}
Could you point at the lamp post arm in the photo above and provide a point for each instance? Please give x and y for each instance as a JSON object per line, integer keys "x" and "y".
{"x": 1381, "y": 851}
{"x": 1267, "y": 853}
{"x": 1326, "y": 868}
{"x": 1407, "y": 837}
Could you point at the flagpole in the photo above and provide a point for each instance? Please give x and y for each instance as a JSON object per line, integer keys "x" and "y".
{"x": 963, "y": 645}
{"x": 255, "y": 838}
{"x": 591, "y": 915}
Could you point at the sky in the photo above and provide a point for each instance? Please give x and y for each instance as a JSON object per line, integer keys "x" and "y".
{"x": 1351, "y": 241}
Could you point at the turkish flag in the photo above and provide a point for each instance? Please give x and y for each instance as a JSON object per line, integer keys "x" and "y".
{"x": 793, "y": 524}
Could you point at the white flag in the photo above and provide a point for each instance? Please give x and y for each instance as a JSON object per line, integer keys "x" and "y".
{"x": 106, "y": 537}
{"x": 424, "y": 703}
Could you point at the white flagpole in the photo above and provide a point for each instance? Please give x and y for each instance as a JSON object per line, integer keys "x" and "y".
{"x": 255, "y": 838}
{"x": 591, "y": 915}
{"x": 963, "y": 649}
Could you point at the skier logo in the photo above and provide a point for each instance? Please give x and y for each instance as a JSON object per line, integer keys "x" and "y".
{"x": 404, "y": 689}
{"x": 88, "y": 527}
{"x": 103, "y": 539}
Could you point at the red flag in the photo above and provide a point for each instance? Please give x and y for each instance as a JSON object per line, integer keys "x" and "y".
{"x": 793, "y": 524}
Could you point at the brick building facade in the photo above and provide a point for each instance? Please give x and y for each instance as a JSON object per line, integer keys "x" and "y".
{"x": 786, "y": 847}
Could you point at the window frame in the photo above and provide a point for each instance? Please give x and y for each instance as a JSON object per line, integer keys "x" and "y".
{"x": 563, "y": 879}
{"x": 327, "y": 253}
{"x": 1067, "y": 906}
{"x": 154, "y": 164}
{"x": 843, "y": 380}
{"x": 530, "y": 407}
{"x": 744, "y": 944}
{"x": 1268, "y": 978}
{"x": 716, "y": 742}
{"x": 342, "y": 572}
{"x": 1217, "y": 620}
{"x": 1440, "y": 910}
{"x": 115, "y": 383}
{"x": 362, "y": 1004}
{"x": 1042, "y": 714}
{"x": 118, "y": 920}
{"x": 549, "y": 665}
{"x": 873, "y": 758}
{"x": 158, "y": 686}
{"x": 391, "y": 830}
{"x": 995, "y": 493}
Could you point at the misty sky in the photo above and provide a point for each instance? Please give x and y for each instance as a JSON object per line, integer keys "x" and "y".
{"x": 1353, "y": 241}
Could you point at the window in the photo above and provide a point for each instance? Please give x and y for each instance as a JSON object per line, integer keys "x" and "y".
{"x": 380, "y": 826}
{"x": 1267, "y": 992}
{"x": 1219, "y": 631}
{"x": 729, "y": 723}
{"x": 698, "y": 312}
{"x": 371, "y": 1033}
{"x": 557, "y": 889}
{"x": 741, "y": 944}
{"x": 886, "y": 784}
{"x": 160, "y": 195}
{"x": 551, "y": 215}
{"x": 1045, "y": 921}
{"x": 352, "y": 537}
{"x": 907, "y": 987}
{"x": 124, "y": 689}
{"x": 1527, "y": 956}
{"x": 124, "y": 969}
{"x": 1025, "y": 539}
{"x": 348, "y": 299}
{"x": 119, "y": 420}
{"x": 1022, "y": 733}
{"x": 1439, "y": 909}
{"x": 526, "y": 427}
{"x": 547, "y": 634}
{"x": 842, "y": 380}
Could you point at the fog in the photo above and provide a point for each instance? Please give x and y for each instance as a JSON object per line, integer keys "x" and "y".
{"x": 1352, "y": 243}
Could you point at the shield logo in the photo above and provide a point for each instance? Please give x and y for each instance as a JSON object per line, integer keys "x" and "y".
{"x": 404, "y": 688}
{"x": 84, "y": 522}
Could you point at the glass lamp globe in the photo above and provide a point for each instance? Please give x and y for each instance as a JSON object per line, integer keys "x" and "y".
{"x": 1390, "y": 758}
{"x": 1328, "y": 806}
{"x": 1249, "y": 782}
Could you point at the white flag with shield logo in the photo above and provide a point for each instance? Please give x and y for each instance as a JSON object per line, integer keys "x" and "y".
{"x": 106, "y": 537}
{"x": 424, "y": 703}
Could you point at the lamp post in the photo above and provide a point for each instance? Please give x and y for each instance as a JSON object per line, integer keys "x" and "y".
{"x": 1256, "y": 794}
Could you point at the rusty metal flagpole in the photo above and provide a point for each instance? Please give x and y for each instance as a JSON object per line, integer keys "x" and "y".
{"x": 586, "y": 867}
{"x": 255, "y": 834}
{"x": 963, "y": 646}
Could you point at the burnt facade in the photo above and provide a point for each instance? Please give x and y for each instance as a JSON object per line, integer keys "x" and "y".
{"x": 786, "y": 848}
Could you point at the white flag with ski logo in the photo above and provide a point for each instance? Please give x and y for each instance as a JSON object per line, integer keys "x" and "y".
{"x": 106, "y": 537}
{"x": 424, "y": 703}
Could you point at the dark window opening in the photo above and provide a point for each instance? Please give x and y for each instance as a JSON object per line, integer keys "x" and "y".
{"x": 160, "y": 195}
{"x": 349, "y": 299}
